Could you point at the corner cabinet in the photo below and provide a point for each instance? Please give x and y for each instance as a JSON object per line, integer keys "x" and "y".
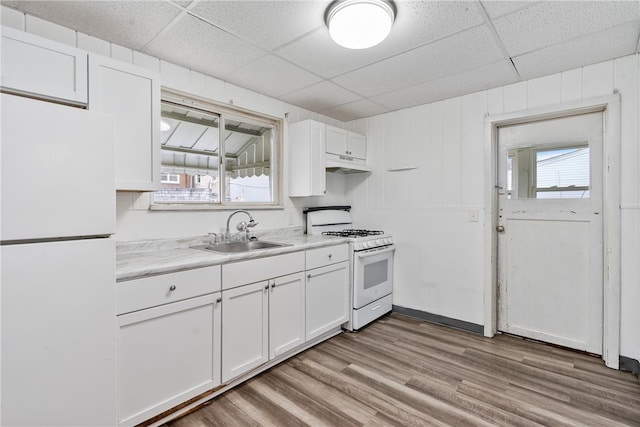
{"x": 307, "y": 174}
{"x": 42, "y": 68}
{"x": 132, "y": 95}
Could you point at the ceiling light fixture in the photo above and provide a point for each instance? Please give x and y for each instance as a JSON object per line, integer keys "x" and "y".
{"x": 359, "y": 24}
{"x": 164, "y": 126}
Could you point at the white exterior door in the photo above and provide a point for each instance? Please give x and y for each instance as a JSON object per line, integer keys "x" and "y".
{"x": 550, "y": 235}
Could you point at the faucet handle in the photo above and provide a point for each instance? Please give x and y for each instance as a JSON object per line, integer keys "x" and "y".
{"x": 213, "y": 238}
{"x": 252, "y": 223}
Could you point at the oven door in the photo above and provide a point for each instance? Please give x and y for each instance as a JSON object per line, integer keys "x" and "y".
{"x": 372, "y": 274}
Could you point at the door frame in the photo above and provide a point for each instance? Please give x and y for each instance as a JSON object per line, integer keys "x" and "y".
{"x": 610, "y": 107}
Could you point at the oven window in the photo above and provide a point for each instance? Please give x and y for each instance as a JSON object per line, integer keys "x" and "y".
{"x": 375, "y": 273}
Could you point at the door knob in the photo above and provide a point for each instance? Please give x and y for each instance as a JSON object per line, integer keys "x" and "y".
{"x": 500, "y": 229}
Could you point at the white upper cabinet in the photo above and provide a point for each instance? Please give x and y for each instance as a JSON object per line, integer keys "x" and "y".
{"x": 132, "y": 95}
{"x": 307, "y": 175}
{"x": 357, "y": 145}
{"x": 345, "y": 143}
{"x": 43, "y": 68}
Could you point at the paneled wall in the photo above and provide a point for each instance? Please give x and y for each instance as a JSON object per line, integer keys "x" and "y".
{"x": 134, "y": 220}
{"x": 435, "y": 210}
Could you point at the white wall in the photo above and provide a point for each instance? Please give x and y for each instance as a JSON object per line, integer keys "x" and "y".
{"x": 436, "y": 211}
{"x": 134, "y": 221}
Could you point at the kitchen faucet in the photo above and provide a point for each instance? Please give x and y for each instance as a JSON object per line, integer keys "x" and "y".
{"x": 246, "y": 226}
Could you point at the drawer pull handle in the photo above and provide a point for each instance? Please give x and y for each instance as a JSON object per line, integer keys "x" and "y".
{"x": 219, "y": 299}
{"x": 172, "y": 288}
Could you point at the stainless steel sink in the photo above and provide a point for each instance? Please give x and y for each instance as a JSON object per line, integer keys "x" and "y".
{"x": 235, "y": 247}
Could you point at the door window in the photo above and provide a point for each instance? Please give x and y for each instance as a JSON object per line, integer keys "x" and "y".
{"x": 559, "y": 172}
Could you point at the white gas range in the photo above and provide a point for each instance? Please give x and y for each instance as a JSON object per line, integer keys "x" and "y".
{"x": 371, "y": 262}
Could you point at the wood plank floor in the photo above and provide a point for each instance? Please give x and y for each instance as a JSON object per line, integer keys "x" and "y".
{"x": 400, "y": 371}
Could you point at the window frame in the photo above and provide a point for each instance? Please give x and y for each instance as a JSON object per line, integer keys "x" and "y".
{"x": 188, "y": 101}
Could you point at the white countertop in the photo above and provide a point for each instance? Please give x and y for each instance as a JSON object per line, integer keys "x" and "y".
{"x": 140, "y": 259}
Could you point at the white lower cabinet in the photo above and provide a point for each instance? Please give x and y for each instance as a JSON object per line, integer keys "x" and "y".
{"x": 183, "y": 334}
{"x": 245, "y": 331}
{"x": 286, "y": 314}
{"x": 261, "y": 321}
{"x": 327, "y": 298}
{"x": 167, "y": 355}
{"x": 169, "y": 337}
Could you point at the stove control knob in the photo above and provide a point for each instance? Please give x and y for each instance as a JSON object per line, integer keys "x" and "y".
{"x": 365, "y": 245}
{"x": 380, "y": 242}
{"x": 387, "y": 241}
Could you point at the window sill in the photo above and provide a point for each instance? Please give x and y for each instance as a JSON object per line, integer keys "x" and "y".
{"x": 211, "y": 207}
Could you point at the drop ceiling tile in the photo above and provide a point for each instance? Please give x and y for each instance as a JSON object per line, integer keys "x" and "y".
{"x": 320, "y": 96}
{"x": 601, "y": 46}
{"x": 547, "y": 23}
{"x": 272, "y": 76}
{"x": 466, "y": 50}
{"x": 128, "y": 23}
{"x": 268, "y": 24}
{"x": 355, "y": 110}
{"x": 469, "y": 81}
{"x": 316, "y": 51}
{"x": 417, "y": 23}
{"x": 194, "y": 44}
{"x": 499, "y": 8}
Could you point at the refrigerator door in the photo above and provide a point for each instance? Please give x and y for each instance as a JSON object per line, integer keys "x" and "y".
{"x": 58, "y": 330}
{"x": 57, "y": 171}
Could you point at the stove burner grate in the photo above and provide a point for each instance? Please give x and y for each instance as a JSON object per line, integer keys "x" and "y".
{"x": 350, "y": 232}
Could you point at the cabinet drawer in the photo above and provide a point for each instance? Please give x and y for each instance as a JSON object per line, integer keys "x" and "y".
{"x": 255, "y": 270}
{"x": 152, "y": 291}
{"x": 327, "y": 255}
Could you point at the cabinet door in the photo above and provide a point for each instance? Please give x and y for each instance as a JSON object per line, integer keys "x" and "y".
{"x": 245, "y": 331}
{"x": 35, "y": 65}
{"x": 307, "y": 173}
{"x": 286, "y": 314}
{"x": 336, "y": 141}
{"x": 132, "y": 95}
{"x": 356, "y": 145}
{"x": 167, "y": 355}
{"x": 327, "y": 298}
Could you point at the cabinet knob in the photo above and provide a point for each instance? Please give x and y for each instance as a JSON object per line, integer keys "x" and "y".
{"x": 273, "y": 285}
{"x": 309, "y": 276}
{"x": 172, "y": 288}
{"x": 330, "y": 255}
{"x": 266, "y": 286}
{"x": 219, "y": 299}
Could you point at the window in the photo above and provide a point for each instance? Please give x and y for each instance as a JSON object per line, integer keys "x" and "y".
{"x": 561, "y": 172}
{"x": 170, "y": 178}
{"x": 213, "y": 156}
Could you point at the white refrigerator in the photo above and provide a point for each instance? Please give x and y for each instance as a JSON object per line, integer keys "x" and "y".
{"x": 57, "y": 261}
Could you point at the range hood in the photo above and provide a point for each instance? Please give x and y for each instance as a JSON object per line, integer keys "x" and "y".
{"x": 345, "y": 164}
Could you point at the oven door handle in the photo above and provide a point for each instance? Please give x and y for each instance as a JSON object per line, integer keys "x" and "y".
{"x": 373, "y": 252}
